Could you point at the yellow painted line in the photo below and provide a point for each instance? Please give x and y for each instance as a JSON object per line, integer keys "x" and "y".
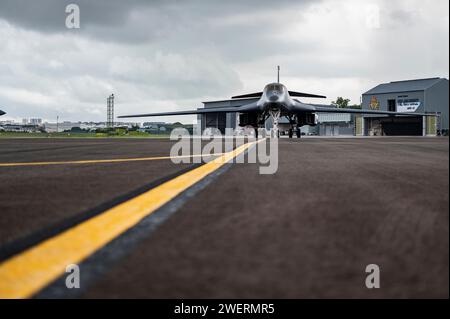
{"x": 114, "y": 160}
{"x": 25, "y": 274}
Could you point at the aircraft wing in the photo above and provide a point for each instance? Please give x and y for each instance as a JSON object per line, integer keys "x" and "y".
{"x": 291, "y": 93}
{"x": 300, "y": 94}
{"x": 252, "y": 107}
{"x": 302, "y": 107}
{"x": 246, "y": 96}
{"x": 330, "y": 109}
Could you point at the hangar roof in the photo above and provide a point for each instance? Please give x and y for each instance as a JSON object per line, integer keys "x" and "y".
{"x": 404, "y": 86}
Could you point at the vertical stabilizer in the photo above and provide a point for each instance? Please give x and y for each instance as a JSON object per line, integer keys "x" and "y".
{"x": 278, "y": 74}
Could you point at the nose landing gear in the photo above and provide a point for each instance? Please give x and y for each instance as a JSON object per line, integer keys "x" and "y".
{"x": 276, "y": 117}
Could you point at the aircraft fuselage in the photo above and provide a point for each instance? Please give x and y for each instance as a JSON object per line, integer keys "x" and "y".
{"x": 276, "y": 97}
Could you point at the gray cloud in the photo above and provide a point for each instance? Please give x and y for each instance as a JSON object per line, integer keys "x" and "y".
{"x": 161, "y": 55}
{"x": 152, "y": 18}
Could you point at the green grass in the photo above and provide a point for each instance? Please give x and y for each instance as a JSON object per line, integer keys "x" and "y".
{"x": 80, "y": 135}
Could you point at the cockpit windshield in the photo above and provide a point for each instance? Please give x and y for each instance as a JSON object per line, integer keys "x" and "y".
{"x": 275, "y": 87}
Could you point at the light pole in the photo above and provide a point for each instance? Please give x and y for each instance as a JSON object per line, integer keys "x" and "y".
{"x": 110, "y": 111}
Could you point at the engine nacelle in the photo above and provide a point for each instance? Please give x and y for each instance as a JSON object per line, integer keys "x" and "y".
{"x": 248, "y": 119}
{"x": 311, "y": 119}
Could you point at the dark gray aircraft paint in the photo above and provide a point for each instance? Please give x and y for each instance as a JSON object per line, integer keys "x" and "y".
{"x": 2, "y": 113}
{"x": 276, "y": 101}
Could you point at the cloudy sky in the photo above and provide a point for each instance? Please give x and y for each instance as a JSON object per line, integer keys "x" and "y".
{"x": 171, "y": 55}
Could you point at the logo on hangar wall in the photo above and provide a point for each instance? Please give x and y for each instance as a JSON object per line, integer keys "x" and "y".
{"x": 374, "y": 103}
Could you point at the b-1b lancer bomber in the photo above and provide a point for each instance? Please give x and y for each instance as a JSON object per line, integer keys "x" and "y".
{"x": 277, "y": 101}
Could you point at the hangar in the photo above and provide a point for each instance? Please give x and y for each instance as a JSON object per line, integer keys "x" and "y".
{"x": 421, "y": 96}
{"x": 221, "y": 120}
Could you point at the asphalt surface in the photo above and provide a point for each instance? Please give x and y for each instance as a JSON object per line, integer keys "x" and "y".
{"x": 42, "y": 197}
{"x": 309, "y": 231}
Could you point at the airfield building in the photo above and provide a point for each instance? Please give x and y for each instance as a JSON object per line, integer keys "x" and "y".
{"x": 221, "y": 121}
{"x": 336, "y": 124}
{"x": 412, "y": 96}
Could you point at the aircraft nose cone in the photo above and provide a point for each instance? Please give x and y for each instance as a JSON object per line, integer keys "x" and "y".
{"x": 2, "y": 113}
{"x": 273, "y": 98}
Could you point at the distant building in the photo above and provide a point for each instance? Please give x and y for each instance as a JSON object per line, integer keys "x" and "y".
{"x": 336, "y": 124}
{"x": 35, "y": 121}
{"x": 152, "y": 124}
{"x": 61, "y": 127}
{"x": 28, "y": 128}
{"x": 32, "y": 121}
{"x": 91, "y": 126}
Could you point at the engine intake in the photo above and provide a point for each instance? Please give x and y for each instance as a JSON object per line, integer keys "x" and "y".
{"x": 311, "y": 119}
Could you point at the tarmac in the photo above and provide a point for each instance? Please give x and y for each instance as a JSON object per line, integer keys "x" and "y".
{"x": 309, "y": 231}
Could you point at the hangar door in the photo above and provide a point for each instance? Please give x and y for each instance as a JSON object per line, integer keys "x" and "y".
{"x": 217, "y": 120}
{"x": 401, "y": 126}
